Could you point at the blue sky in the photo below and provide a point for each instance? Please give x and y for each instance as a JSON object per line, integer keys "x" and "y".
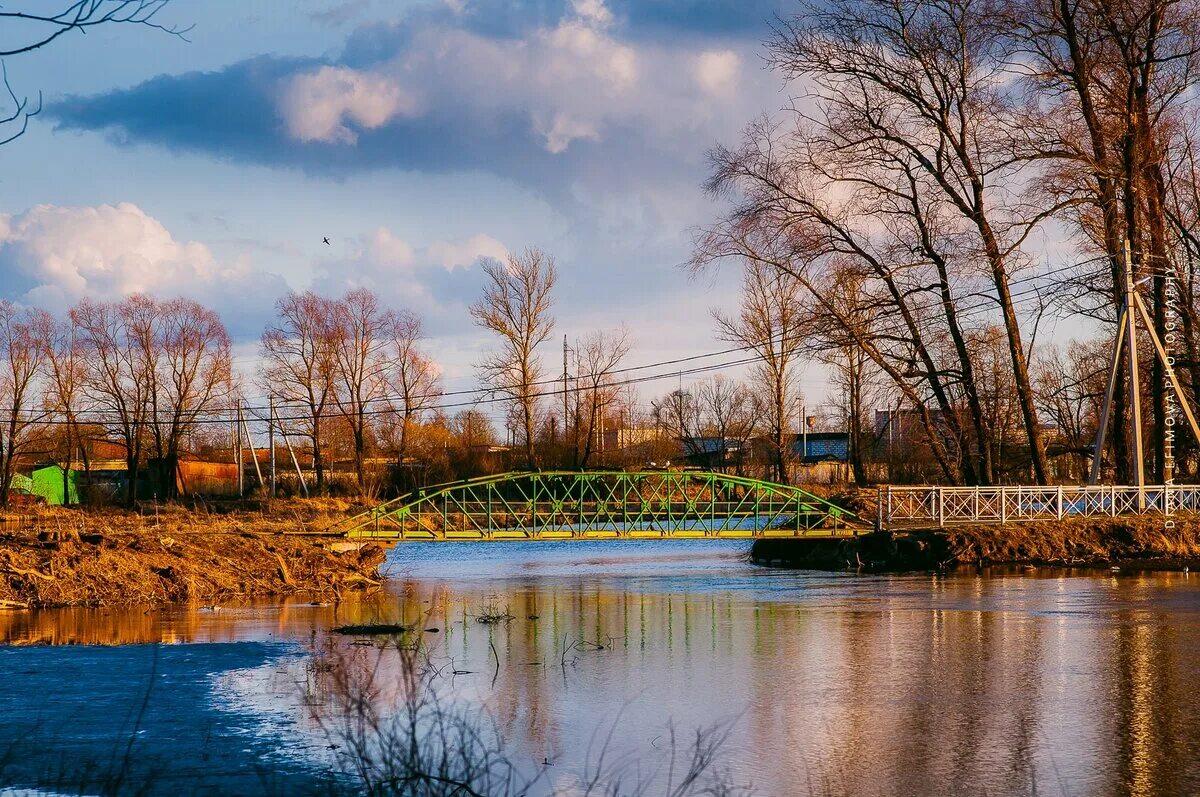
{"x": 417, "y": 136}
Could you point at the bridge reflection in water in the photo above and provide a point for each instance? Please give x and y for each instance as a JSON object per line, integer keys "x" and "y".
{"x": 604, "y": 505}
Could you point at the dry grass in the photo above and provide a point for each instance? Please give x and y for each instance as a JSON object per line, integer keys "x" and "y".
{"x": 172, "y": 554}
{"x": 1079, "y": 541}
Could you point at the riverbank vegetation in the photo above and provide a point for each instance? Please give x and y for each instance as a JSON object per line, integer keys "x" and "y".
{"x": 112, "y": 557}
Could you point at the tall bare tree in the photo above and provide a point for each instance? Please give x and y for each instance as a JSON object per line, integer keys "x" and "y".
{"x": 1111, "y": 93}
{"x": 195, "y": 378}
{"x": 515, "y": 306}
{"x": 413, "y": 378}
{"x": 300, "y": 365}
{"x": 66, "y": 370}
{"x": 771, "y": 323}
{"x": 899, "y": 164}
{"x": 730, "y": 413}
{"x": 20, "y": 366}
{"x": 116, "y": 381}
{"x": 599, "y": 355}
{"x": 360, "y": 341}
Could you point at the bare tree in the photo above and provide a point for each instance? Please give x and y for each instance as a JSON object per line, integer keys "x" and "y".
{"x": 31, "y": 25}
{"x": 413, "y": 378}
{"x": 599, "y": 355}
{"x": 21, "y": 360}
{"x": 360, "y": 341}
{"x": 1111, "y": 88}
{"x": 300, "y": 365}
{"x": 116, "y": 382}
{"x": 900, "y": 166}
{"x": 66, "y": 370}
{"x": 1070, "y": 384}
{"x": 515, "y": 306}
{"x": 195, "y": 379}
{"x": 771, "y": 323}
{"x": 678, "y": 417}
{"x": 730, "y": 414}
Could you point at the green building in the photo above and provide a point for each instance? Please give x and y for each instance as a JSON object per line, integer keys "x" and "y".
{"x": 56, "y": 485}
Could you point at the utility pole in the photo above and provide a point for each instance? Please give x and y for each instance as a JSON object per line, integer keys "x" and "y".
{"x": 271, "y": 438}
{"x": 564, "y": 423}
{"x": 237, "y": 457}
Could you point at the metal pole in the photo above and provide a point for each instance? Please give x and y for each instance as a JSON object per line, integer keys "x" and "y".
{"x": 241, "y": 466}
{"x": 1168, "y": 366}
{"x": 271, "y": 439}
{"x": 1135, "y": 397}
{"x": 299, "y": 474}
{"x": 253, "y": 452}
{"x": 565, "y": 376}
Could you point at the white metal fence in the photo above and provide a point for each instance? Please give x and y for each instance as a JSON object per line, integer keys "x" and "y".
{"x": 899, "y": 507}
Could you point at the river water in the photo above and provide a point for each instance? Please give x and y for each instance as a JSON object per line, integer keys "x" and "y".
{"x": 991, "y": 683}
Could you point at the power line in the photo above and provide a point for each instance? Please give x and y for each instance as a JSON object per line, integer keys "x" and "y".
{"x": 489, "y": 396}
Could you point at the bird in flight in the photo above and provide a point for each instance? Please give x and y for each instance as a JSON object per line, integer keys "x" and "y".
{"x": 326, "y": 241}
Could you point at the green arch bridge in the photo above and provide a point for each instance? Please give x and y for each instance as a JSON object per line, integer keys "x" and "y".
{"x": 589, "y": 505}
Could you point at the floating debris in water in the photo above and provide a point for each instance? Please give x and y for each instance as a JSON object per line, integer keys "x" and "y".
{"x": 372, "y": 629}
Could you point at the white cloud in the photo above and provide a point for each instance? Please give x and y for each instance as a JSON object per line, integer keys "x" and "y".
{"x": 384, "y": 249}
{"x": 450, "y": 255}
{"x": 593, "y": 10}
{"x": 577, "y": 80}
{"x": 717, "y": 72}
{"x": 564, "y": 130}
{"x": 316, "y": 106}
{"x": 433, "y": 279}
{"x": 53, "y": 256}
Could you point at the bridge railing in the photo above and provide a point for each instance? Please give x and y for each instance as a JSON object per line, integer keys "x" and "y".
{"x": 904, "y": 506}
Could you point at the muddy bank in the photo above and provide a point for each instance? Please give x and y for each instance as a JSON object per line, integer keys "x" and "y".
{"x": 118, "y": 558}
{"x": 1131, "y": 543}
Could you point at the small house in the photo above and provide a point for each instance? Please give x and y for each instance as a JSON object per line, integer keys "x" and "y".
{"x": 56, "y": 485}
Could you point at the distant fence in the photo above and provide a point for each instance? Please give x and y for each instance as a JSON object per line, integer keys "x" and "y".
{"x": 900, "y": 507}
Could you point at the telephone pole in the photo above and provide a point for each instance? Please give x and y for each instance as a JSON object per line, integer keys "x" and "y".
{"x": 271, "y": 438}
{"x": 564, "y": 423}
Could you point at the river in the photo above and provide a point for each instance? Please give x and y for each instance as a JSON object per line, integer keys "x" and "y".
{"x": 992, "y": 683}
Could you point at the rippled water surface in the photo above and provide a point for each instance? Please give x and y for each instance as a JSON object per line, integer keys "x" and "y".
{"x": 993, "y": 683}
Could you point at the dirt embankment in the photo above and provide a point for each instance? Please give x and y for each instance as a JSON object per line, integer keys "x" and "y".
{"x": 1146, "y": 543}
{"x": 104, "y": 558}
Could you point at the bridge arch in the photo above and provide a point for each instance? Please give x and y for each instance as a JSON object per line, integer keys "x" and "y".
{"x": 603, "y": 505}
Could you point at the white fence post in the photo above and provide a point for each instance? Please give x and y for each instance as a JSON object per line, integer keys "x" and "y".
{"x": 941, "y": 502}
{"x": 1060, "y": 503}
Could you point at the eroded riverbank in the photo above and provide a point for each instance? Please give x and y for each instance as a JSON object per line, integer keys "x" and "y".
{"x": 120, "y": 559}
{"x": 1146, "y": 543}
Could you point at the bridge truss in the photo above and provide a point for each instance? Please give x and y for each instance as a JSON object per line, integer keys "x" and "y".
{"x": 604, "y": 505}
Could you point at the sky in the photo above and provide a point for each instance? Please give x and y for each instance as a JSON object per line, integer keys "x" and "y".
{"x": 417, "y": 136}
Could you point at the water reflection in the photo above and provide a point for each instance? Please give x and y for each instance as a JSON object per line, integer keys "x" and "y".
{"x": 993, "y": 683}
